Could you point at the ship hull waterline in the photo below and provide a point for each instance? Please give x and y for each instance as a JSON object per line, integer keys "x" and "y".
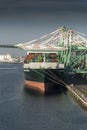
{"x": 43, "y": 82}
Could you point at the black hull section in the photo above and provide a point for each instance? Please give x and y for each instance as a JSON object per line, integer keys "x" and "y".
{"x": 76, "y": 79}
{"x": 45, "y": 80}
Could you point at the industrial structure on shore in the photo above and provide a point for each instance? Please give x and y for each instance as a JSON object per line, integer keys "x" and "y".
{"x": 70, "y": 45}
{"x": 7, "y": 58}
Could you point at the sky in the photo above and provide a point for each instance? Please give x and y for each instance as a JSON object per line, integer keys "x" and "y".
{"x": 25, "y": 20}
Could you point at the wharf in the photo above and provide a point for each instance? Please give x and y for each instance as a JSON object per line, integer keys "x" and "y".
{"x": 80, "y": 94}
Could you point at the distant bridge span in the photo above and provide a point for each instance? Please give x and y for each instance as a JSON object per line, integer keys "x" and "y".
{"x": 9, "y": 46}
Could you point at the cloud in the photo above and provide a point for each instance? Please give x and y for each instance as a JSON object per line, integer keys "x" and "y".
{"x": 27, "y": 18}
{"x": 40, "y": 5}
{"x": 30, "y": 10}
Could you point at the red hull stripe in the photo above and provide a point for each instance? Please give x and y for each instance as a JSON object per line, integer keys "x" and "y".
{"x": 35, "y": 85}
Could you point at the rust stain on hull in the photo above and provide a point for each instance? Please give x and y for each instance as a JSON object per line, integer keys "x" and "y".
{"x": 35, "y": 86}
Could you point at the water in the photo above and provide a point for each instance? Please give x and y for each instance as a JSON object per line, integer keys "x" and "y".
{"x": 23, "y": 110}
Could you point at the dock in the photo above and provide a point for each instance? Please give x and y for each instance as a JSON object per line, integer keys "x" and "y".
{"x": 79, "y": 95}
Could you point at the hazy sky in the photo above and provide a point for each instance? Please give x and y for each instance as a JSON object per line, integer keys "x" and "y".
{"x": 24, "y": 20}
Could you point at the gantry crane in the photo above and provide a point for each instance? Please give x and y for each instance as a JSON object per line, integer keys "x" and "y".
{"x": 70, "y": 45}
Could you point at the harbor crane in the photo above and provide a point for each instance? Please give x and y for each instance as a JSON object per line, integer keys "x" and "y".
{"x": 70, "y": 45}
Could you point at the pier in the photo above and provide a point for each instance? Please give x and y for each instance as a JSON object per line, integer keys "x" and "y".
{"x": 80, "y": 96}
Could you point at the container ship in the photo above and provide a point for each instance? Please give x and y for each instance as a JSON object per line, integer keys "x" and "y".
{"x": 55, "y": 60}
{"x": 41, "y": 72}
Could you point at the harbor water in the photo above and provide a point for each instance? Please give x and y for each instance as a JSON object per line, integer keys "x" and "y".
{"x": 24, "y": 110}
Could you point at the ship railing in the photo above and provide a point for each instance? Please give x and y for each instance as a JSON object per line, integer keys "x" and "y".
{"x": 50, "y": 65}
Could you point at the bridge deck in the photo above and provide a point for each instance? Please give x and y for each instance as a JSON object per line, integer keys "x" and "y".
{"x": 8, "y": 46}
